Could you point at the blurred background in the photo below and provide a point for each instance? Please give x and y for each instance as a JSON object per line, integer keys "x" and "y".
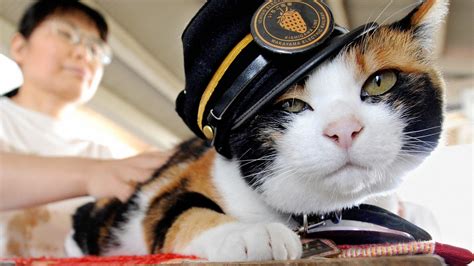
{"x": 134, "y": 108}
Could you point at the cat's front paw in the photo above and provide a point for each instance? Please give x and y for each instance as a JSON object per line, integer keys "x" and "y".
{"x": 245, "y": 242}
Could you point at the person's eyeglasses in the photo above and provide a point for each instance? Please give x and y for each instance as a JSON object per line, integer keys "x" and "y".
{"x": 96, "y": 48}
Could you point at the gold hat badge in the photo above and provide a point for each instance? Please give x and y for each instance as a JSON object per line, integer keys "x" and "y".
{"x": 291, "y": 26}
{"x": 292, "y": 20}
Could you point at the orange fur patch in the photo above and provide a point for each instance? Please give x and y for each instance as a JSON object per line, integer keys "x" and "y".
{"x": 101, "y": 203}
{"x": 422, "y": 11}
{"x": 360, "y": 60}
{"x": 21, "y": 229}
{"x": 201, "y": 180}
{"x": 390, "y": 49}
{"x": 104, "y": 231}
{"x": 162, "y": 185}
{"x": 191, "y": 224}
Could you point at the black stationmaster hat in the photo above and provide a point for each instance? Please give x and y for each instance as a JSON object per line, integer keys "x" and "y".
{"x": 239, "y": 55}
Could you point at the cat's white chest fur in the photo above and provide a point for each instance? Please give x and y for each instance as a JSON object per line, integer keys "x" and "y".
{"x": 241, "y": 201}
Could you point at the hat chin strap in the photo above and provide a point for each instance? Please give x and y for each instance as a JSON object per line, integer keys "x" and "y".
{"x": 251, "y": 72}
{"x": 216, "y": 78}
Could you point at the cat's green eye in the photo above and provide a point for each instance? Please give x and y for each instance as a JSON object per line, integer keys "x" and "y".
{"x": 294, "y": 105}
{"x": 379, "y": 83}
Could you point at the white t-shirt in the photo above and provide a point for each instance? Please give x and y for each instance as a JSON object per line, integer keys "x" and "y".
{"x": 40, "y": 231}
{"x": 26, "y": 131}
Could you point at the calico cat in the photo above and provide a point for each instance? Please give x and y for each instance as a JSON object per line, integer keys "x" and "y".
{"x": 343, "y": 134}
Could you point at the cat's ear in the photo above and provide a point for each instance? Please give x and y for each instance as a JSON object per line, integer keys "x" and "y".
{"x": 424, "y": 21}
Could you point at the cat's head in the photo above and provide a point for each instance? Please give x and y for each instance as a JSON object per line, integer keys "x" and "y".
{"x": 354, "y": 125}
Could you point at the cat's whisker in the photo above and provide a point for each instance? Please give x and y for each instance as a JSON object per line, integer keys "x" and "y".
{"x": 383, "y": 10}
{"x": 418, "y": 147}
{"x": 283, "y": 170}
{"x": 412, "y": 152}
{"x": 250, "y": 161}
{"x": 364, "y": 38}
{"x": 400, "y": 10}
{"x": 260, "y": 164}
{"x": 263, "y": 165}
{"x": 266, "y": 158}
{"x": 414, "y": 139}
{"x": 424, "y": 129}
{"x": 279, "y": 174}
{"x": 262, "y": 175}
{"x": 368, "y": 19}
{"x": 243, "y": 154}
{"x": 420, "y": 138}
{"x": 420, "y": 144}
{"x": 406, "y": 154}
{"x": 364, "y": 42}
{"x": 408, "y": 118}
{"x": 406, "y": 157}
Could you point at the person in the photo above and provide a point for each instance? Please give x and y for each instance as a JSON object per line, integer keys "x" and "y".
{"x": 61, "y": 48}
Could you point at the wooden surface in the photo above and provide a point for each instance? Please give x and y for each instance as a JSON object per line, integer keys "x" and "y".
{"x": 419, "y": 260}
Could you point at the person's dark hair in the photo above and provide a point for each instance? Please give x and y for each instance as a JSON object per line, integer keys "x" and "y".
{"x": 11, "y": 93}
{"x": 41, "y": 9}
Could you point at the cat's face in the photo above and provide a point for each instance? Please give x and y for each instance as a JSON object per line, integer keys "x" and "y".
{"x": 353, "y": 126}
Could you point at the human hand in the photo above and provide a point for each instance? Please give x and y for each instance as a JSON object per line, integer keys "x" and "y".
{"x": 117, "y": 178}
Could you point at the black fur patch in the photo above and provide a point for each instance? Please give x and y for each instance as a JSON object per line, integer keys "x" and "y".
{"x": 82, "y": 226}
{"x": 181, "y": 202}
{"x": 87, "y": 222}
{"x": 420, "y": 102}
{"x": 253, "y": 144}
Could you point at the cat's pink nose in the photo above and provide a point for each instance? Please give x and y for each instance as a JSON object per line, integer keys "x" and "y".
{"x": 343, "y": 132}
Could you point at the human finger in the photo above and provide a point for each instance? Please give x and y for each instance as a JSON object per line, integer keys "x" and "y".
{"x": 136, "y": 175}
{"x": 150, "y": 160}
{"x": 124, "y": 191}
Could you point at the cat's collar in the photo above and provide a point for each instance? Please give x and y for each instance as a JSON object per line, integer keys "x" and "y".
{"x": 308, "y": 222}
{"x": 364, "y": 224}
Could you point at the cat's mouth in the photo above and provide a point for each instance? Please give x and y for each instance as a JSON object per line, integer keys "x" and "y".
{"x": 349, "y": 166}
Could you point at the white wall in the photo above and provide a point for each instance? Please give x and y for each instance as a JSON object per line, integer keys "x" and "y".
{"x": 444, "y": 185}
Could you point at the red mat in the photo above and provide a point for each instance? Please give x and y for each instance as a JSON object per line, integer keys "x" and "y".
{"x": 452, "y": 255}
{"x": 94, "y": 260}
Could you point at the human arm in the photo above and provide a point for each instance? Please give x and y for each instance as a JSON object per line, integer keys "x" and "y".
{"x": 28, "y": 180}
